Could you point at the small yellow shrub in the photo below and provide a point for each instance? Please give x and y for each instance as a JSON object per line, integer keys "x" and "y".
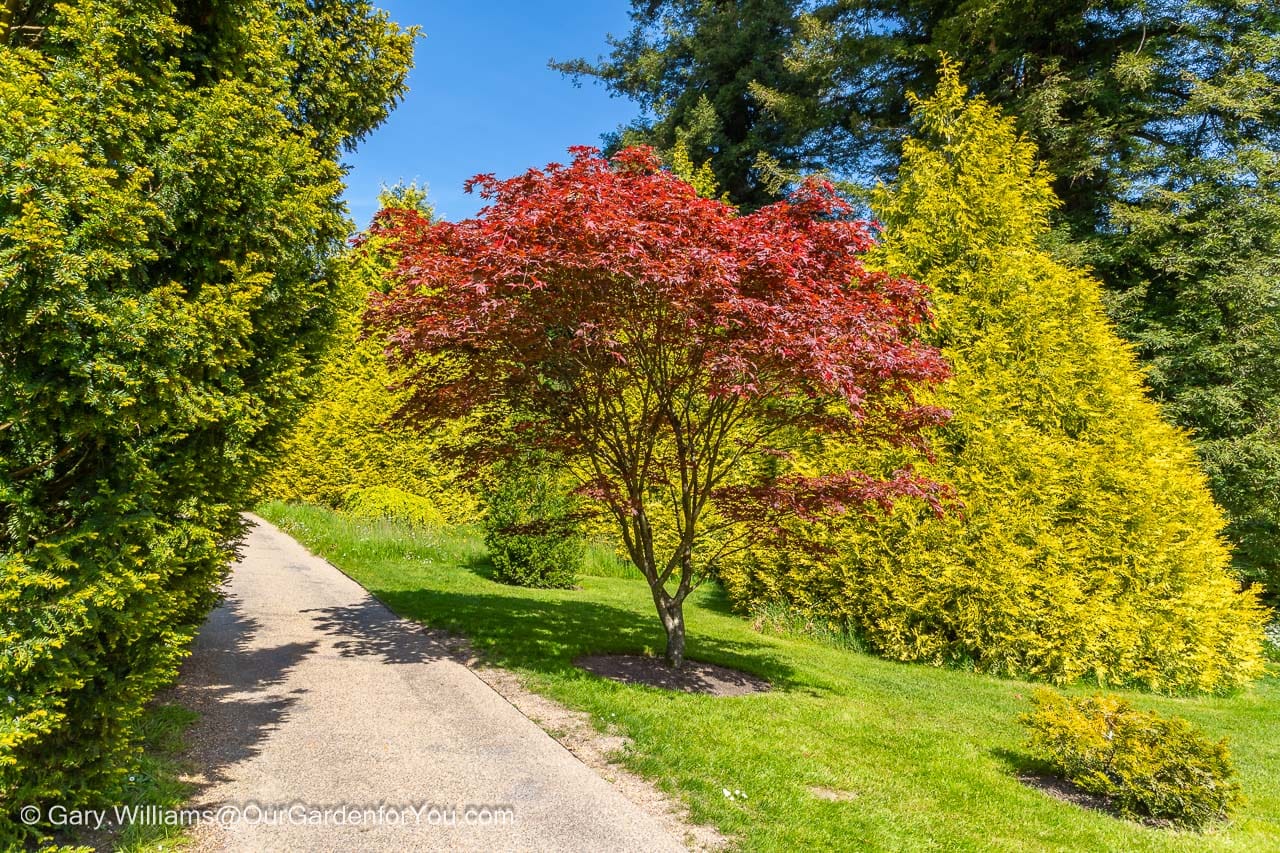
{"x": 1144, "y": 764}
{"x": 396, "y": 504}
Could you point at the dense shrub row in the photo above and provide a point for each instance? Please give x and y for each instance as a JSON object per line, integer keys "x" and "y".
{"x": 346, "y": 442}
{"x": 169, "y": 194}
{"x": 1088, "y": 544}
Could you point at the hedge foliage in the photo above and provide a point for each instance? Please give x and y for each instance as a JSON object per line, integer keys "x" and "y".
{"x": 346, "y": 442}
{"x": 1147, "y": 766}
{"x": 169, "y": 203}
{"x": 1089, "y": 544}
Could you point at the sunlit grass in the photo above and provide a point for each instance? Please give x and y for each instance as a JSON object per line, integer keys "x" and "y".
{"x": 928, "y": 758}
{"x": 601, "y": 560}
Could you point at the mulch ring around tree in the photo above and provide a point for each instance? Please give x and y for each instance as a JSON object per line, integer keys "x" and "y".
{"x": 694, "y": 677}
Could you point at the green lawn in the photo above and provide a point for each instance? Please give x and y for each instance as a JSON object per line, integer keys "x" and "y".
{"x": 928, "y": 755}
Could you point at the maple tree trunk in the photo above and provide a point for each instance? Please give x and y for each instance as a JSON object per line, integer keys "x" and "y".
{"x": 672, "y": 613}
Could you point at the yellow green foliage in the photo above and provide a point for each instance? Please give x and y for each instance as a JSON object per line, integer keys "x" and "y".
{"x": 701, "y": 178}
{"x": 389, "y": 502}
{"x": 1088, "y": 545}
{"x": 346, "y": 451}
{"x": 697, "y": 135}
{"x": 1144, "y": 764}
{"x": 169, "y": 203}
{"x": 170, "y": 187}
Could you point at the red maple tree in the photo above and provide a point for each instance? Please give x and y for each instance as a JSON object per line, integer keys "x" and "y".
{"x": 670, "y": 351}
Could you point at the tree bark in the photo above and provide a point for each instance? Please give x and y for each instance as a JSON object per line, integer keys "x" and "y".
{"x": 638, "y": 536}
{"x": 672, "y": 613}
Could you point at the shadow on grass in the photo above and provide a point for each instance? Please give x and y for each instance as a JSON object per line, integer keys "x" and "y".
{"x": 715, "y": 600}
{"x": 1041, "y": 776}
{"x": 482, "y": 565}
{"x": 521, "y": 632}
{"x": 1019, "y": 762}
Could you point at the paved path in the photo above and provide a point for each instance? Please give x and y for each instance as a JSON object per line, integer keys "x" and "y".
{"x": 312, "y": 693}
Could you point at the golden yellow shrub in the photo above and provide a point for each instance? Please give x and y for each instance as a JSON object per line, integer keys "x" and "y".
{"x": 346, "y": 443}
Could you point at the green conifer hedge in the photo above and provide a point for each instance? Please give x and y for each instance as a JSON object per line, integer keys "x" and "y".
{"x": 169, "y": 204}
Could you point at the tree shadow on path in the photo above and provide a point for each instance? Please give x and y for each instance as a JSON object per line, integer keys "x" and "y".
{"x": 369, "y": 629}
{"x": 236, "y": 685}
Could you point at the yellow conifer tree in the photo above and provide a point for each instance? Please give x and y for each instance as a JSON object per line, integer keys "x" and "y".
{"x": 345, "y": 451}
{"x": 1089, "y": 545}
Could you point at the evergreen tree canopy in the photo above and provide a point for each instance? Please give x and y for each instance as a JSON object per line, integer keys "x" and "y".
{"x": 1108, "y": 92}
{"x": 691, "y": 64}
{"x": 1089, "y": 545}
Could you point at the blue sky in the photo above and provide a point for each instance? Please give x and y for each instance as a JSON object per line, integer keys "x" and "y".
{"x": 481, "y": 98}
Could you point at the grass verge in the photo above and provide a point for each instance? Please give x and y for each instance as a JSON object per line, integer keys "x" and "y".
{"x": 158, "y": 781}
{"x": 847, "y": 752}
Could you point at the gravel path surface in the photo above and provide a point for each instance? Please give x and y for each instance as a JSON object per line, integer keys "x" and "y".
{"x": 319, "y": 706}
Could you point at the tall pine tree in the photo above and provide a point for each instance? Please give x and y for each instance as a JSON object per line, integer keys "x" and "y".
{"x": 691, "y": 64}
